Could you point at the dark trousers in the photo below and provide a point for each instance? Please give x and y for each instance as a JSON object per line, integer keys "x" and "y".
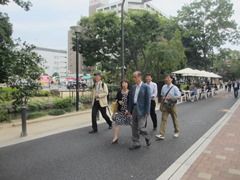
{"x": 96, "y": 107}
{"x": 153, "y": 114}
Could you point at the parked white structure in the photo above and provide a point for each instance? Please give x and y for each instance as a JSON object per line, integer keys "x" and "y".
{"x": 55, "y": 61}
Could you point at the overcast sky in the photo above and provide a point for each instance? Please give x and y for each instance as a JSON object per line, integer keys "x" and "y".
{"x": 48, "y": 21}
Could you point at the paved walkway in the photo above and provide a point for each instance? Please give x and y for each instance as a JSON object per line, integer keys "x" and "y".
{"x": 221, "y": 159}
{"x": 214, "y": 156}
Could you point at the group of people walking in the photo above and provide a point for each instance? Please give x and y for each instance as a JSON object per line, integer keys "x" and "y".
{"x": 135, "y": 105}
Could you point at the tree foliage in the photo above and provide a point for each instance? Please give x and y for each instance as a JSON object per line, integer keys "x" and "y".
{"x": 166, "y": 56}
{"x": 206, "y": 24}
{"x": 100, "y": 42}
{"x": 26, "y": 5}
{"x": 228, "y": 64}
{"x": 6, "y": 45}
{"x": 25, "y": 73}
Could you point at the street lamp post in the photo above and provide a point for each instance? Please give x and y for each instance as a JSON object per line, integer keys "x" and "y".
{"x": 77, "y": 30}
{"x": 122, "y": 38}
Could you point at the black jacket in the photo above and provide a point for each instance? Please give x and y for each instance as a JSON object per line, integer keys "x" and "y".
{"x": 119, "y": 98}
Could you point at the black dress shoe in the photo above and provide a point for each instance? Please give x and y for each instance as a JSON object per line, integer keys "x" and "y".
{"x": 154, "y": 129}
{"x": 110, "y": 127}
{"x": 134, "y": 147}
{"x": 148, "y": 142}
{"x": 93, "y": 131}
{"x": 114, "y": 142}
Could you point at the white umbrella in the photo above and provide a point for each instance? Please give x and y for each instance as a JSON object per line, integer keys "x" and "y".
{"x": 185, "y": 71}
{"x": 213, "y": 75}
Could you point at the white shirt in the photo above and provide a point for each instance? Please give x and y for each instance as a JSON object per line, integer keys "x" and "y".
{"x": 97, "y": 86}
{"x": 153, "y": 88}
{"x": 235, "y": 85}
{"x": 137, "y": 92}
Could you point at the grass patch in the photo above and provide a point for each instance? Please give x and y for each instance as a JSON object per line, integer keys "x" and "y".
{"x": 35, "y": 115}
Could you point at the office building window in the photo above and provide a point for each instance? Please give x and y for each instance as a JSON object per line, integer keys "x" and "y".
{"x": 113, "y": 7}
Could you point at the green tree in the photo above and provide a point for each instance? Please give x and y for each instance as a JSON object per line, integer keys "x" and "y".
{"x": 141, "y": 28}
{"x": 206, "y": 25}
{"x": 26, "y": 5}
{"x": 6, "y": 45}
{"x": 100, "y": 43}
{"x": 99, "y": 40}
{"x": 6, "y": 42}
{"x": 166, "y": 56}
{"x": 228, "y": 64}
{"x": 25, "y": 74}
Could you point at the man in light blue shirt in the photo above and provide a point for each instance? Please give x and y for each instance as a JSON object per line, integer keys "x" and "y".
{"x": 170, "y": 93}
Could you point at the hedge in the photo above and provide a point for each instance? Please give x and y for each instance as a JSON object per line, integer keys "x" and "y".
{"x": 56, "y": 112}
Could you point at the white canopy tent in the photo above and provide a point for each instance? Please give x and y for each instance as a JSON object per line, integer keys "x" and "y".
{"x": 196, "y": 73}
{"x": 185, "y": 72}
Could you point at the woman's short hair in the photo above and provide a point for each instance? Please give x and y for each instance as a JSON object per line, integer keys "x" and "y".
{"x": 124, "y": 80}
{"x": 169, "y": 75}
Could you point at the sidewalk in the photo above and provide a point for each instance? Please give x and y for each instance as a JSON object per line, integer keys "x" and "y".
{"x": 45, "y": 126}
{"x": 215, "y": 156}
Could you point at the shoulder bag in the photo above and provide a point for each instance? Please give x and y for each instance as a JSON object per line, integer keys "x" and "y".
{"x": 162, "y": 102}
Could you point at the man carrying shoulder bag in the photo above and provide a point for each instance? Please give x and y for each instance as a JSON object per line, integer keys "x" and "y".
{"x": 99, "y": 102}
{"x": 170, "y": 93}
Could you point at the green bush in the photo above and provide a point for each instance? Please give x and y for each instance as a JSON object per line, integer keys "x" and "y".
{"x": 4, "y": 116}
{"x": 43, "y": 93}
{"x": 62, "y": 103}
{"x": 34, "y": 105}
{"x": 56, "y": 112}
{"x": 5, "y": 96}
{"x": 8, "y": 89}
{"x": 34, "y": 115}
{"x": 113, "y": 87}
{"x": 69, "y": 109}
{"x": 85, "y": 99}
{"x": 81, "y": 107}
{"x": 55, "y": 92}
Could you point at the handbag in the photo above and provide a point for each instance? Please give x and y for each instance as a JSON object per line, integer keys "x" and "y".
{"x": 114, "y": 116}
{"x": 161, "y": 105}
{"x": 114, "y": 107}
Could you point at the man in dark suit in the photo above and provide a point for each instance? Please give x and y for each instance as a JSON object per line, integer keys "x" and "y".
{"x": 139, "y": 108}
{"x": 235, "y": 88}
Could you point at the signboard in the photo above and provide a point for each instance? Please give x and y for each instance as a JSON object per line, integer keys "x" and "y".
{"x": 45, "y": 79}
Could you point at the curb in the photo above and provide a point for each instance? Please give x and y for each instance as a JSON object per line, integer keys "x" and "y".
{"x": 49, "y": 118}
{"x": 184, "y": 162}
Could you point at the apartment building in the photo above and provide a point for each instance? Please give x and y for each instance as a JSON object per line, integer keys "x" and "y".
{"x": 130, "y": 4}
{"x": 55, "y": 61}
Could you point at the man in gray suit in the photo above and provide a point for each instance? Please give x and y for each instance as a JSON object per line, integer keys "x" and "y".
{"x": 139, "y": 108}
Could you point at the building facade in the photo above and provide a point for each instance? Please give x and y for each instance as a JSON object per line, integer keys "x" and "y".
{"x": 55, "y": 61}
{"x": 94, "y": 4}
{"x": 130, "y": 4}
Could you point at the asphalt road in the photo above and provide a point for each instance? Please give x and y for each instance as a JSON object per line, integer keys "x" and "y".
{"x": 79, "y": 155}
